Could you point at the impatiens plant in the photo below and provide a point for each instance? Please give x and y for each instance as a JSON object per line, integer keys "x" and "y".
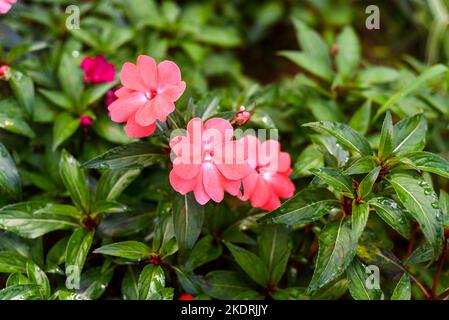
{"x": 194, "y": 150}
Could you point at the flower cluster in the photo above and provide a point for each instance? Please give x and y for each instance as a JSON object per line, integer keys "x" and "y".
{"x": 206, "y": 158}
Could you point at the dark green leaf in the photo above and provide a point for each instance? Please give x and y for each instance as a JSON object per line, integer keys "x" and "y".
{"x": 392, "y": 214}
{"x": 12, "y": 262}
{"x": 203, "y": 252}
{"x": 113, "y": 182}
{"x": 336, "y": 179}
{"x": 430, "y": 162}
{"x": 306, "y": 206}
{"x": 77, "y": 250}
{"x": 403, "y": 290}
{"x": 347, "y": 136}
{"x": 226, "y": 284}
{"x": 151, "y": 283}
{"x": 348, "y": 55}
{"x": 23, "y": 88}
{"x": 37, "y": 276}
{"x": 9, "y": 177}
{"x": 366, "y": 185}
{"x": 131, "y": 156}
{"x": 337, "y": 248}
{"x": 64, "y": 127}
{"x": 188, "y": 218}
{"x": 254, "y": 267}
{"x": 75, "y": 181}
{"x": 386, "y": 144}
{"x": 421, "y": 201}
{"x": 359, "y": 218}
{"x": 361, "y": 119}
{"x": 21, "y": 292}
{"x": 126, "y": 249}
{"x": 358, "y": 288}
{"x": 410, "y": 134}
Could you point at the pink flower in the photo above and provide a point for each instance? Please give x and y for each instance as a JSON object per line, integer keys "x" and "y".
{"x": 5, "y": 5}
{"x": 97, "y": 70}
{"x": 207, "y": 161}
{"x": 268, "y": 180}
{"x": 110, "y": 98}
{"x": 148, "y": 94}
{"x": 5, "y": 73}
{"x": 86, "y": 121}
{"x": 241, "y": 117}
{"x": 185, "y": 296}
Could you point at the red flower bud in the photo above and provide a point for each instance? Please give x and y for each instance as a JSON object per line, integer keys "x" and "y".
{"x": 185, "y": 296}
{"x": 110, "y": 98}
{"x": 241, "y": 117}
{"x": 86, "y": 121}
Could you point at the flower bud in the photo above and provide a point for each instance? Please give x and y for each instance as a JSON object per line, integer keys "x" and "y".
{"x": 5, "y": 73}
{"x": 241, "y": 117}
{"x": 86, "y": 121}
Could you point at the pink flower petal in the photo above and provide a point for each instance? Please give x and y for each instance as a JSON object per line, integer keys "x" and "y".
{"x": 175, "y": 92}
{"x": 232, "y": 187}
{"x": 195, "y": 129}
{"x": 147, "y": 114}
{"x": 212, "y": 182}
{"x": 282, "y": 185}
{"x": 249, "y": 183}
{"x": 134, "y": 130}
{"x": 148, "y": 71}
{"x": 131, "y": 78}
{"x": 187, "y": 171}
{"x": 200, "y": 193}
{"x": 262, "y": 193}
{"x": 221, "y": 125}
{"x": 168, "y": 74}
{"x": 180, "y": 185}
{"x": 234, "y": 171}
{"x": 284, "y": 162}
{"x": 122, "y": 108}
{"x": 273, "y": 203}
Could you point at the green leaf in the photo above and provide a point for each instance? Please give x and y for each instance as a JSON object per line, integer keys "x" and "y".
{"x": 56, "y": 255}
{"x": 205, "y": 250}
{"x": 410, "y": 134}
{"x": 306, "y": 206}
{"x": 129, "y": 287}
{"x": 421, "y": 201}
{"x": 392, "y": 214}
{"x": 311, "y": 43}
{"x": 309, "y": 63}
{"x": 430, "y": 162}
{"x": 188, "y": 218}
{"x": 21, "y": 292}
{"x": 127, "y": 249}
{"x": 360, "y": 121}
{"x": 64, "y": 127}
{"x": 432, "y": 72}
{"x": 12, "y": 262}
{"x": 32, "y": 220}
{"x": 226, "y": 284}
{"x": 403, "y": 290}
{"x": 347, "y": 136}
{"x": 366, "y": 185}
{"x": 376, "y": 74}
{"x": 15, "y": 279}
{"x": 95, "y": 281}
{"x": 9, "y": 177}
{"x": 336, "y": 179}
{"x": 151, "y": 283}
{"x": 16, "y": 124}
{"x": 361, "y": 165}
{"x": 58, "y": 98}
{"x": 357, "y": 277}
{"x": 113, "y": 182}
{"x": 310, "y": 158}
{"x": 359, "y": 218}
{"x": 71, "y": 78}
{"x": 23, "y": 88}
{"x": 77, "y": 250}
{"x": 95, "y": 93}
{"x": 110, "y": 131}
{"x": 254, "y": 267}
{"x": 37, "y": 276}
{"x": 131, "y": 156}
{"x": 75, "y": 181}
{"x": 274, "y": 249}
{"x": 337, "y": 248}
{"x": 348, "y": 55}
{"x": 104, "y": 206}
{"x": 386, "y": 144}
{"x": 219, "y": 36}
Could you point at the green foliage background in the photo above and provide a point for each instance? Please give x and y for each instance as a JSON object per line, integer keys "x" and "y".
{"x": 363, "y": 113}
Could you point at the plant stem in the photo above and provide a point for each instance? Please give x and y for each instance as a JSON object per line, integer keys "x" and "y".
{"x": 440, "y": 267}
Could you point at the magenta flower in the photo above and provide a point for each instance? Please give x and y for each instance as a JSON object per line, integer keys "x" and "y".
{"x": 241, "y": 117}
{"x": 207, "y": 161}
{"x": 110, "y": 97}
{"x": 5, "y": 73}
{"x": 6, "y": 5}
{"x": 97, "y": 70}
{"x": 148, "y": 94}
{"x": 269, "y": 178}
